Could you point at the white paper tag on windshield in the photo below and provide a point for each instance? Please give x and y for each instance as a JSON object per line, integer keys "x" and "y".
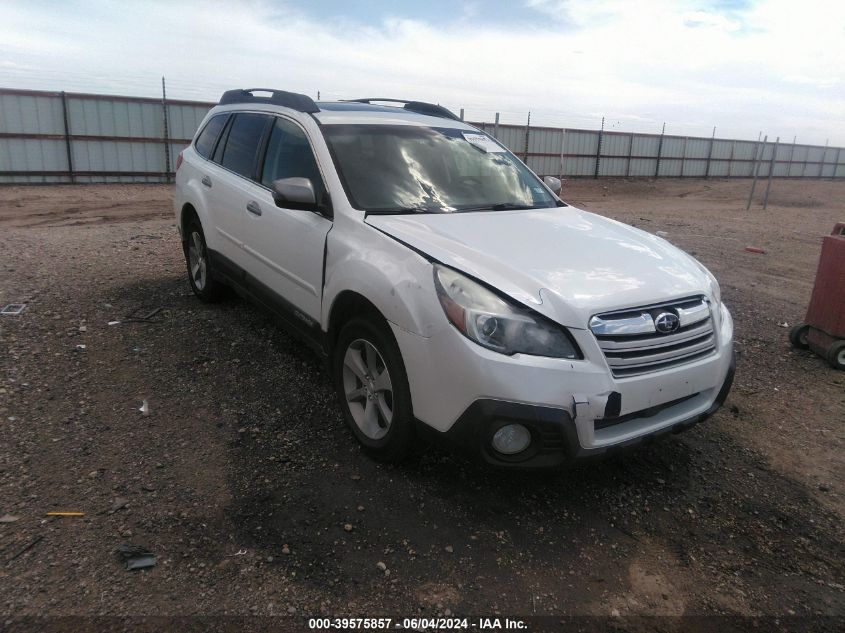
{"x": 484, "y": 142}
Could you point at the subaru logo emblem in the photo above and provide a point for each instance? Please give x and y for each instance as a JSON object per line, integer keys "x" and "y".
{"x": 667, "y": 322}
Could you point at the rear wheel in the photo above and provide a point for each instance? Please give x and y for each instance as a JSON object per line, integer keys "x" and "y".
{"x": 373, "y": 388}
{"x": 199, "y": 266}
{"x": 798, "y": 336}
{"x": 836, "y": 355}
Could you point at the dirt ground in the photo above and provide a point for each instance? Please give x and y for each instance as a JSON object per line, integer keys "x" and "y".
{"x": 245, "y": 484}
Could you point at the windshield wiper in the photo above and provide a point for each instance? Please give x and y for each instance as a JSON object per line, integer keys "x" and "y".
{"x": 501, "y": 206}
{"x": 401, "y": 211}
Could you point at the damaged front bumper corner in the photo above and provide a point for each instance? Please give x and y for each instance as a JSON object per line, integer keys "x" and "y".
{"x": 591, "y": 428}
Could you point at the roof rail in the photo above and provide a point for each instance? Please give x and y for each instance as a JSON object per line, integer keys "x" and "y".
{"x": 420, "y": 107}
{"x": 292, "y": 100}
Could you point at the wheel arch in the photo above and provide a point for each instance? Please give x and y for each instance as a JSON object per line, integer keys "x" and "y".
{"x": 187, "y": 213}
{"x": 347, "y": 305}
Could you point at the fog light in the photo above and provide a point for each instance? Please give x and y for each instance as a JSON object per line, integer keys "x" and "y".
{"x": 511, "y": 439}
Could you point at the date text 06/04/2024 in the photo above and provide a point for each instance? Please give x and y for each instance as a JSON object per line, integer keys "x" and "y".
{"x": 417, "y": 624}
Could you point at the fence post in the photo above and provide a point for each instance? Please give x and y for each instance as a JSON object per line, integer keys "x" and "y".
{"x": 731, "y": 159}
{"x": 684, "y": 155}
{"x": 67, "y": 139}
{"x": 598, "y": 149}
{"x": 758, "y": 154}
{"x": 824, "y": 156}
{"x": 791, "y": 157}
{"x": 806, "y": 157}
{"x": 771, "y": 174}
{"x": 527, "y": 132}
{"x": 562, "y": 148}
{"x": 166, "y": 131}
{"x": 462, "y": 114}
{"x": 659, "y": 151}
{"x": 630, "y": 153}
{"x": 836, "y": 164}
{"x": 496, "y": 127}
{"x": 710, "y": 154}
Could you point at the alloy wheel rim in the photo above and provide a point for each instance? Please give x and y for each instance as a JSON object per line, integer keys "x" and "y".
{"x": 368, "y": 389}
{"x": 196, "y": 261}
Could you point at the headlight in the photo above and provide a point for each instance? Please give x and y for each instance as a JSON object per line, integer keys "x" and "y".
{"x": 495, "y": 323}
{"x": 715, "y": 290}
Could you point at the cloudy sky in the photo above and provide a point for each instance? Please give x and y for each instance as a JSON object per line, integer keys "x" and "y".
{"x": 776, "y": 66}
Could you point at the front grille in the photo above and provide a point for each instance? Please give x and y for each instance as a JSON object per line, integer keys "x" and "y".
{"x": 633, "y": 345}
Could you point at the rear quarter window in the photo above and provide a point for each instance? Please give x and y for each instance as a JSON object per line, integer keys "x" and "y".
{"x": 208, "y": 137}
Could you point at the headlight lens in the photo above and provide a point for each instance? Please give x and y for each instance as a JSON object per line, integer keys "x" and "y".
{"x": 484, "y": 317}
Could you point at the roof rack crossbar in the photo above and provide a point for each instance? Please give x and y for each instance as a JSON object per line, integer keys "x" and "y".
{"x": 292, "y": 100}
{"x": 420, "y": 107}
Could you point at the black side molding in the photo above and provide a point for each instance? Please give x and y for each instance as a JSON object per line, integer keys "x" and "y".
{"x": 293, "y": 320}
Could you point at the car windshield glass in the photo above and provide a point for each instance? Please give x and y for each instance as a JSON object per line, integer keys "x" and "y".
{"x": 414, "y": 169}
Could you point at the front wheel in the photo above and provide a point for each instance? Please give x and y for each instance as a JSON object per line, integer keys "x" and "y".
{"x": 372, "y": 387}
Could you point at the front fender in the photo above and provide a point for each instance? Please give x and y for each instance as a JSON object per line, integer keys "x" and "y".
{"x": 394, "y": 278}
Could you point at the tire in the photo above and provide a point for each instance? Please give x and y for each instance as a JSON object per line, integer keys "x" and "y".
{"x": 200, "y": 276}
{"x": 377, "y": 410}
{"x": 836, "y": 355}
{"x": 798, "y": 336}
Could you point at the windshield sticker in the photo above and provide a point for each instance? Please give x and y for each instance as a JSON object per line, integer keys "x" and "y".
{"x": 484, "y": 142}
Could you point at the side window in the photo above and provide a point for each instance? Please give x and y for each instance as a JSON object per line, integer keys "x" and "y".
{"x": 289, "y": 155}
{"x": 242, "y": 142}
{"x": 208, "y": 136}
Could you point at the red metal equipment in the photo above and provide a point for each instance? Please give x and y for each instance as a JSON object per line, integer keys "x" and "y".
{"x": 824, "y": 330}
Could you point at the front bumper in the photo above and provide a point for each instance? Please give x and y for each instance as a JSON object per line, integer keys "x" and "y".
{"x": 460, "y": 390}
{"x": 554, "y": 435}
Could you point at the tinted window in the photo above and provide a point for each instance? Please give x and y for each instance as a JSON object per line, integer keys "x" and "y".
{"x": 242, "y": 143}
{"x": 289, "y": 155}
{"x": 208, "y": 137}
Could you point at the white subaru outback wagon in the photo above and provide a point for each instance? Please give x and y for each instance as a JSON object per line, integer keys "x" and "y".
{"x": 453, "y": 294}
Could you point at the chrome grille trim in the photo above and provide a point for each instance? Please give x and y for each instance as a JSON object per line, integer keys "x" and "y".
{"x": 632, "y": 345}
{"x": 639, "y": 324}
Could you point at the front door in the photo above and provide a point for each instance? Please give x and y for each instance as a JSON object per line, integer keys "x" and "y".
{"x": 288, "y": 245}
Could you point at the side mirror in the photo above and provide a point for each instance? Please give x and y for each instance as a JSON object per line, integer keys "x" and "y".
{"x": 553, "y": 184}
{"x": 295, "y": 193}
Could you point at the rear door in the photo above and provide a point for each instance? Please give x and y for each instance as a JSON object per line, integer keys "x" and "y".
{"x": 288, "y": 245}
{"x": 230, "y": 184}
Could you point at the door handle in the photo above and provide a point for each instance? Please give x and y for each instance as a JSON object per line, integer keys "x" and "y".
{"x": 253, "y": 208}
{"x": 206, "y": 181}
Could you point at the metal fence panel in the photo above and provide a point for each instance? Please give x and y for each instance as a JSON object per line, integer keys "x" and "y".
{"x": 694, "y": 168}
{"x": 642, "y": 167}
{"x": 32, "y": 155}
{"x": 719, "y": 168}
{"x": 111, "y": 156}
{"x": 615, "y": 145}
{"x": 124, "y": 139}
{"x": 723, "y": 149}
{"x": 613, "y": 167}
{"x": 30, "y": 114}
{"x": 582, "y": 142}
{"x": 698, "y": 148}
{"x": 673, "y": 147}
{"x": 185, "y": 119}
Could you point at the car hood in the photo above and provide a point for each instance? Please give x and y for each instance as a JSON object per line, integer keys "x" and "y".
{"x": 563, "y": 262}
